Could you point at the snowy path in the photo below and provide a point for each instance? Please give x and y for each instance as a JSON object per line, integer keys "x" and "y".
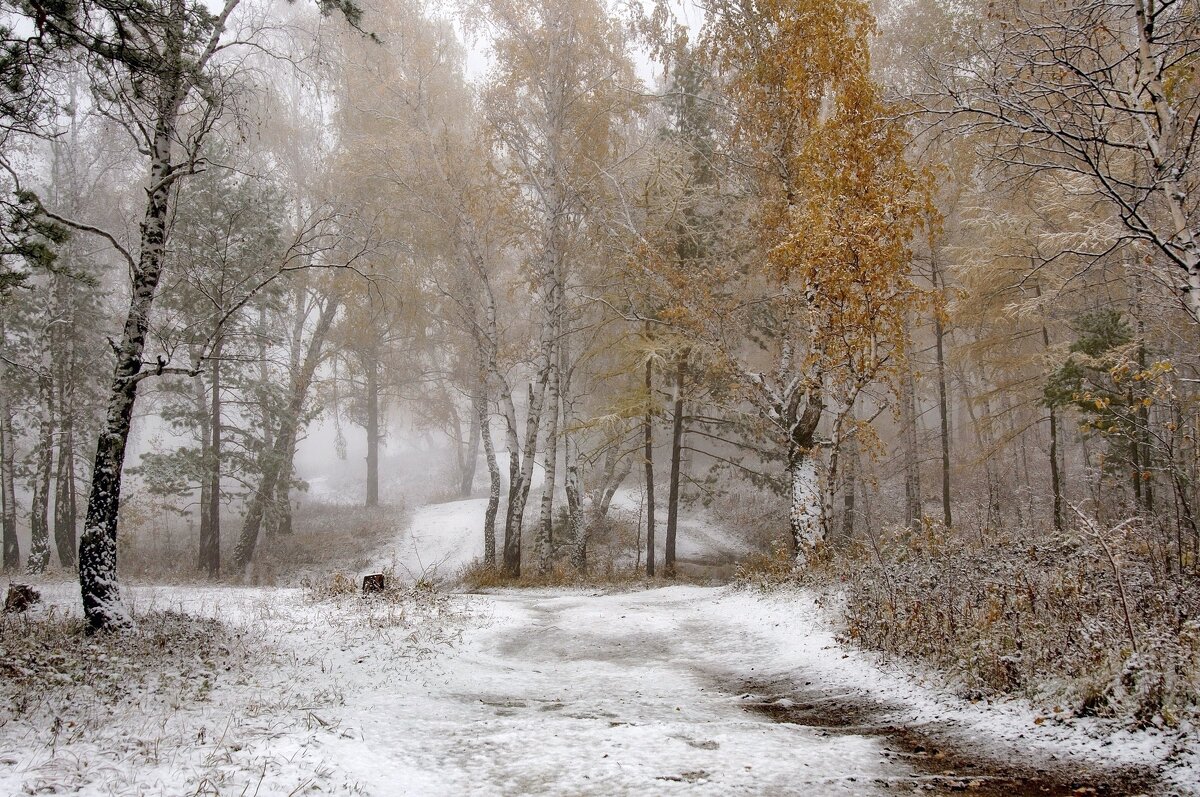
{"x": 636, "y": 693}
{"x": 596, "y": 695}
{"x": 440, "y": 538}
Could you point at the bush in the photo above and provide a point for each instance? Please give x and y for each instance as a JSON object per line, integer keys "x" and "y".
{"x": 1090, "y": 619}
{"x": 767, "y": 571}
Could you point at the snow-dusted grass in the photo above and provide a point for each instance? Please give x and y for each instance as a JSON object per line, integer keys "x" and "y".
{"x": 1097, "y": 628}
{"x": 217, "y": 691}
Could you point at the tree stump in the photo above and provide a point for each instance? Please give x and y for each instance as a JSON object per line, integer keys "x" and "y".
{"x": 19, "y": 598}
{"x": 374, "y": 583}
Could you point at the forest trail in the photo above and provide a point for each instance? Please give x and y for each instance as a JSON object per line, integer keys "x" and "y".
{"x": 646, "y": 693}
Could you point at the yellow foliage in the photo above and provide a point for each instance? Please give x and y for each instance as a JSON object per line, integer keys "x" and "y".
{"x": 838, "y": 203}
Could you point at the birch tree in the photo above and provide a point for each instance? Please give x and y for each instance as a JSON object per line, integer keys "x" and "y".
{"x": 826, "y": 285}
{"x": 1103, "y": 90}
{"x": 555, "y": 96}
{"x": 156, "y": 72}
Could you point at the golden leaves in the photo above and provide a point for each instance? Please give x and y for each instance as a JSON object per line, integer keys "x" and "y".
{"x": 839, "y": 204}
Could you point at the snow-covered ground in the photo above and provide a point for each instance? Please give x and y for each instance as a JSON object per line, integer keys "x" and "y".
{"x": 440, "y": 540}
{"x": 664, "y": 691}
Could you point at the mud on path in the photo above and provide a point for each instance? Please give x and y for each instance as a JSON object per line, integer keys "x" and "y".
{"x": 941, "y": 761}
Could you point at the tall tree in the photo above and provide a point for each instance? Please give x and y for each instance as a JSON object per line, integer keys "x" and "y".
{"x": 837, "y": 204}
{"x": 155, "y": 66}
{"x": 558, "y": 89}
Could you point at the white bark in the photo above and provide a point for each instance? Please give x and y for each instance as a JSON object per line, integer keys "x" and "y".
{"x": 807, "y": 504}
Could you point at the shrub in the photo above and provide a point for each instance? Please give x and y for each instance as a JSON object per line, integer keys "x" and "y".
{"x": 1092, "y": 619}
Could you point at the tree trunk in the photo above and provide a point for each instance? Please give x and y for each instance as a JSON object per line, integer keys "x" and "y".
{"x": 8, "y": 496}
{"x": 573, "y": 458}
{"x": 1146, "y": 463}
{"x": 65, "y": 507}
{"x": 204, "y": 413}
{"x": 98, "y": 583}
{"x": 281, "y": 515}
{"x": 62, "y": 358}
{"x": 545, "y": 534}
{"x": 1162, "y": 131}
{"x": 676, "y": 451}
{"x": 489, "y": 453}
{"x": 278, "y": 462}
{"x": 613, "y": 480}
{"x": 519, "y": 489}
{"x": 39, "y": 510}
{"x": 210, "y": 532}
{"x": 1056, "y": 481}
{"x": 806, "y": 517}
{"x": 575, "y": 507}
{"x": 372, "y": 368}
{"x": 648, "y": 461}
{"x": 913, "y": 505}
{"x": 470, "y": 462}
{"x": 939, "y": 334}
{"x": 850, "y": 489}
{"x": 512, "y": 536}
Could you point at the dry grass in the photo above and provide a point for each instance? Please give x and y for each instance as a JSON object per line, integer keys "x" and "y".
{"x": 426, "y": 618}
{"x": 50, "y": 661}
{"x": 479, "y": 576}
{"x": 161, "y": 549}
{"x": 1094, "y": 623}
{"x": 752, "y": 514}
{"x": 326, "y": 536}
{"x": 767, "y": 570}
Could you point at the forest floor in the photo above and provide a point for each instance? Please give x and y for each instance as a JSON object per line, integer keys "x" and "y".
{"x": 673, "y": 690}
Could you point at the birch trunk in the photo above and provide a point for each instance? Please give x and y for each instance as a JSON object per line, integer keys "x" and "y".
{"x": 573, "y": 458}
{"x": 544, "y": 544}
{"x": 514, "y": 520}
{"x": 575, "y": 503}
{"x": 512, "y": 534}
{"x": 806, "y": 517}
{"x": 850, "y": 489}
{"x": 278, "y": 463}
{"x": 1161, "y": 129}
{"x": 613, "y": 480}
{"x": 493, "y": 504}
